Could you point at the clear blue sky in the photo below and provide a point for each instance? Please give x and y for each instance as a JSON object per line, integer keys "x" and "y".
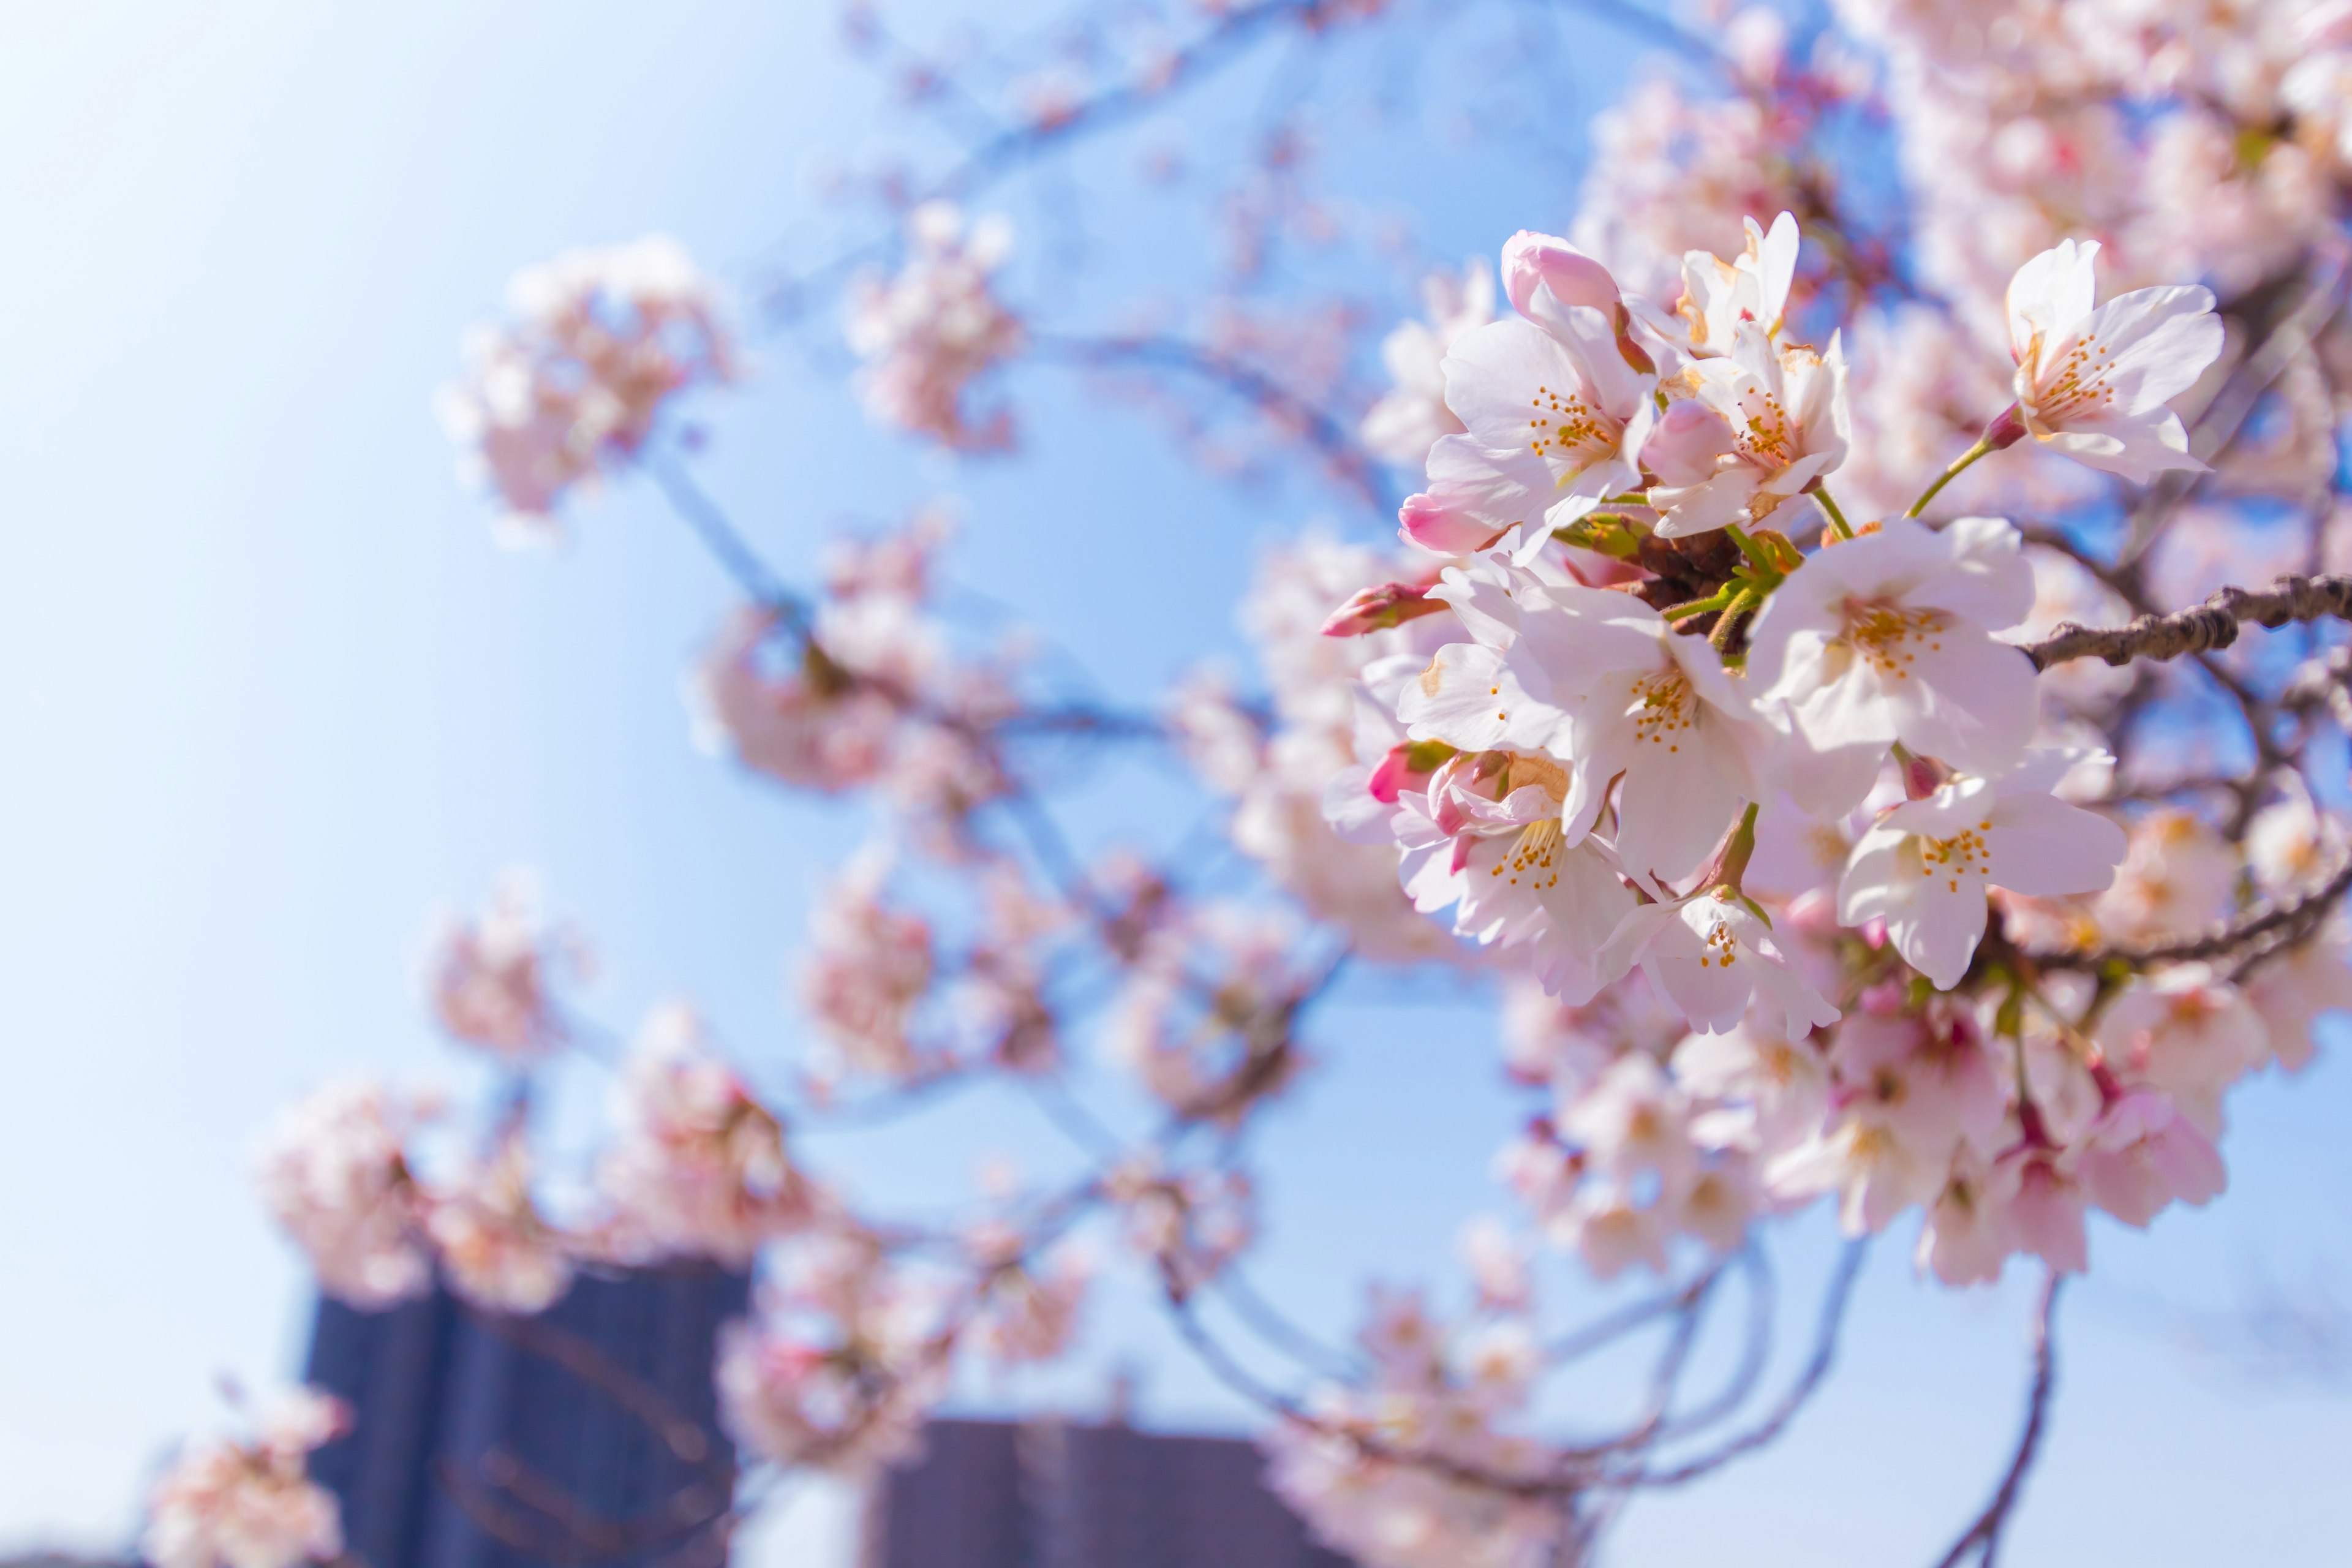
{"x": 270, "y": 693}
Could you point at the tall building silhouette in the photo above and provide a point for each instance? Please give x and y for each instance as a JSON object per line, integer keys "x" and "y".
{"x": 585, "y": 1438}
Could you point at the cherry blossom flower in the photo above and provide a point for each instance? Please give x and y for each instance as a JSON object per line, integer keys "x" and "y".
{"x": 1678, "y": 735}
{"x": 2144, "y": 1155}
{"x": 811, "y": 724}
{"x": 497, "y": 1252}
{"x": 1769, "y": 1089}
{"x": 1709, "y": 954}
{"x": 1924, "y": 867}
{"x": 2093, "y": 384}
{"x": 928, "y": 333}
{"x": 335, "y": 1173}
{"x": 2177, "y": 877}
{"x": 1491, "y": 848}
{"x": 697, "y": 1166}
{"x": 839, "y": 1363}
{"x": 1719, "y": 296}
{"x": 1412, "y": 416}
{"x": 1029, "y": 1314}
{"x": 251, "y": 1504}
{"x": 1967, "y": 1238}
{"x": 2291, "y": 990}
{"x": 1773, "y": 421}
{"x": 604, "y": 339}
{"x": 1432, "y": 1394}
{"x": 2187, "y": 1032}
{"x": 868, "y": 968}
{"x": 1909, "y": 1088}
{"x": 487, "y": 981}
{"x": 1552, "y": 415}
{"x": 1191, "y": 1222}
{"x": 1887, "y": 639}
{"x": 2043, "y": 1206}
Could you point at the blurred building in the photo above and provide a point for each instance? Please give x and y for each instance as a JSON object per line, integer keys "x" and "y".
{"x": 989, "y": 1494}
{"x": 585, "y": 1437}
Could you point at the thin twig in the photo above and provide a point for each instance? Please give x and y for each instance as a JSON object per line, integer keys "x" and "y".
{"x": 1983, "y": 1535}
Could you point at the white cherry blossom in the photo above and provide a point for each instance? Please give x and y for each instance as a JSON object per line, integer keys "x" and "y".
{"x": 1708, "y": 955}
{"x": 1412, "y": 416}
{"x": 1887, "y": 637}
{"x": 1924, "y": 867}
{"x": 1774, "y": 421}
{"x": 2093, "y": 384}
{"x": 1553, "y": 415}
{"x": 227, "y": 1504}
{"x": 1719, "y": 296}
{"x": 1677, "y": 733}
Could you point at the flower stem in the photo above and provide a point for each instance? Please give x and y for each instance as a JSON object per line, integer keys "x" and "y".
{"x": 1959, "y": 464}
{"x": 1741, "y": 602}
{"x": 1837, "y": 518}
{"x": 1720, "y": 599}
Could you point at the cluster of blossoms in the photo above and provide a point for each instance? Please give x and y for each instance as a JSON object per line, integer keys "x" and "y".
{"x": 250, "y": 1504}
{"x": 1430, "y": 1395}
{"x": 1587, "y": 776}
{"x": 865, "y": 691}
{"x": 576, "y": 386}
{"x": 698, "y": 1168}
{"x": 929, "y": 333}
{"x": 840, "y": 1361}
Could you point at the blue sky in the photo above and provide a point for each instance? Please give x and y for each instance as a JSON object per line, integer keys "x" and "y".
{"x": 271, "y": 693}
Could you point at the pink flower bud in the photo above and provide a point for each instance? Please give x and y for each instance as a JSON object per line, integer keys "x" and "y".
{"x": 1409, "y": 766}
{"x": 2006, "y": 429}
{"x": 1922, "y": 776}
{"x": 1574, "y": 277}
{"x": 1431, "y": 524}
{"x": 1685, "y": 442}
{"x": 1378, "y": 608}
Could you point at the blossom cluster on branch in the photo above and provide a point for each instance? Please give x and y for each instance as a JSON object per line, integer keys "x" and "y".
{"x": 1807, "y": 689}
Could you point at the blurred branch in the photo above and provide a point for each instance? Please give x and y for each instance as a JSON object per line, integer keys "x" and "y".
{"x": 1983, "y": 1536}
{"x": 1286, "y": 409}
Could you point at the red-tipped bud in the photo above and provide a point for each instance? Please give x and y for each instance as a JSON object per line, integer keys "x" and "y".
{"x": 1378, "y": 608}
{"x": 1922, "y": 776}
{"x": 2006, "y": 429}
{"x": 1408, "y": 767}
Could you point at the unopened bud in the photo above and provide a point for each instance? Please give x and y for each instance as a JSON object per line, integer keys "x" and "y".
{"x": 1922, "y": 776}
{"x": 1376, "y": 609}
{"x": 1435, "y": 526}
{"x": 2007, "y": 428}
{"x": 1685, "y": 442}
{"x": 1532, "y": 260}
{"x": 1408, "y": 767}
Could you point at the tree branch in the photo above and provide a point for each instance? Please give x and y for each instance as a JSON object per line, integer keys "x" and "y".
{"x": 2210, "y": 625}
{"x": 1983, "y": 1535}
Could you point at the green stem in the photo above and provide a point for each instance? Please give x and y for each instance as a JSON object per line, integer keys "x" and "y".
{"x": 1741, "y": 602}
{"x": 1829, "y": 510}
{"x": 1959, "y": 464}
{"x": 1718, "y": 600}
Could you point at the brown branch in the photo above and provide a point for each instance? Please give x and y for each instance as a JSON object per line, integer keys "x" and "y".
{"x": 1808, "y": 1382}
{"x": 2294, "y": 917}
{"x": 2210, "y": 625}
{"x": 1983, "y": 1535}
